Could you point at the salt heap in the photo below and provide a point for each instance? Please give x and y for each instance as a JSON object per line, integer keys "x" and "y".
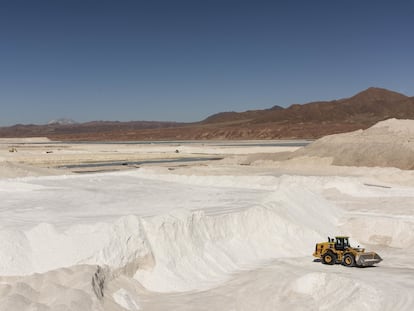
{"x": 387, "y": 143}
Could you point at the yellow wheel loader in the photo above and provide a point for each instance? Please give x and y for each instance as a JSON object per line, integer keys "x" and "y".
{"x": 338, "y": 250}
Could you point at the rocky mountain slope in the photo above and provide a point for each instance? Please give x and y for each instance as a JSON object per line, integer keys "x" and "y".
{"x": 312, "y": 120}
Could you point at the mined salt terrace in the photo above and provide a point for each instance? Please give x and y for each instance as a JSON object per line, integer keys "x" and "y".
{"x": 217, "y": 235}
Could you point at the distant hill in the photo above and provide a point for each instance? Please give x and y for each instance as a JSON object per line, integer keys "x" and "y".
{"x": 276, "y": 107}
{"x": 311, "y": 120}
{"x": 372, "y": 104}
{"x": 95, "y": 130}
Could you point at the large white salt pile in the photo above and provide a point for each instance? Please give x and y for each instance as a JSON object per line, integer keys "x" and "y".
{"x": 196, "y": 240}
{"x": 63, "y": 289}
{"x": 387, "y": 143}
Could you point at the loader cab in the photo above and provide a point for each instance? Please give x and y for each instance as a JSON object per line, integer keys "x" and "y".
{"x": 341, "y": 243}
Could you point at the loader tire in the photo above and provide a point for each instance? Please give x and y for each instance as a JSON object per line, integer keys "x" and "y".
{"x": 349, "y": 260}
{"x": 329, "y": 258}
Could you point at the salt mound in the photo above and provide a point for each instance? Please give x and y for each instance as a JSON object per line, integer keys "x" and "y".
{"x": 196, "y": 251}
{"x": 62, "y": 289}
{"x": 397, "y": 232}
{"x": 45, "y": 247}
{"x": 181, "y": 250}
{"x": 349, "y": 294}
{"x": 395, "y": 125}
{"x": 387, "y": 143}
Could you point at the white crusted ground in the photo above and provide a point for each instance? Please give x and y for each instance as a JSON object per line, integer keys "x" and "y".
{"x": 211, "y": 236}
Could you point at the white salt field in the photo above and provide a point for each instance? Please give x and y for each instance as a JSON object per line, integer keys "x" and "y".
{"x": 230, "y": 234}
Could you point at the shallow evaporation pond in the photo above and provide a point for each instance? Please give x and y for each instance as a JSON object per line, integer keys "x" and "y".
{"x": 276, "y": 144}
{"x": 264, "y": 143}
{"x": 127, "y": 163}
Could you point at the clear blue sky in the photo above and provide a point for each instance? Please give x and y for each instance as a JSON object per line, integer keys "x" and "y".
{"x": 184, "y": 60}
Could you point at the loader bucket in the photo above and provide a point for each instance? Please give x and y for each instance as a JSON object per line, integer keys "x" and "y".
{"x": 368, "y": 259}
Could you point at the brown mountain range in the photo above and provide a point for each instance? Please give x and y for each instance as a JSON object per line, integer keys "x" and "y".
{"x": 311, "y": 120}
